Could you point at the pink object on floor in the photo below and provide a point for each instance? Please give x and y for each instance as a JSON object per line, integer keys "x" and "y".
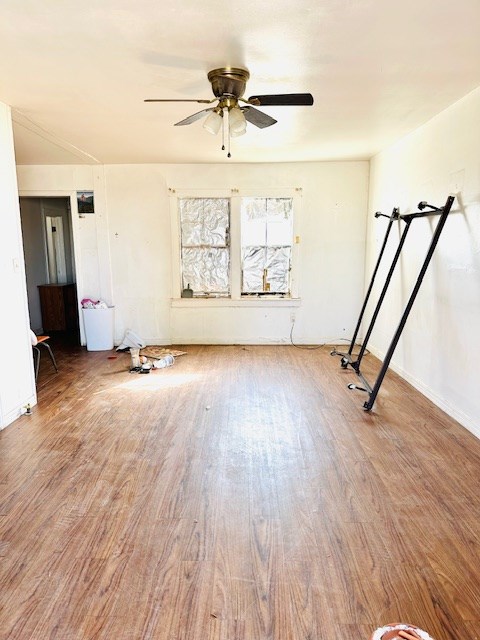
{"x": 392, "y": 632}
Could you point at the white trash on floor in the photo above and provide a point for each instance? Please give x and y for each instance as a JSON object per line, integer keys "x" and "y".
{"x": 131, "y": 341}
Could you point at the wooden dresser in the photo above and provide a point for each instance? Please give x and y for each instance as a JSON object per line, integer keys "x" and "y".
{"x": 59, "y": 307}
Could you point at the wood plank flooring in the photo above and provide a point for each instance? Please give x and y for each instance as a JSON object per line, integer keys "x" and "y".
{"x": 242, "y": 494}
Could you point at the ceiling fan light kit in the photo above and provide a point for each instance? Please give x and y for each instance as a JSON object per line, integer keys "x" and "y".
{"x": 237, "y": 122}
{"x": 213, "y": 122}
{"x": 228, "y": 86}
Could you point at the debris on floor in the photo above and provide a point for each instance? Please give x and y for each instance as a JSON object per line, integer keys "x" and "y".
{"x": 157, "y": 352}
{"x": 131, "y": 341}
{"x": 152, "y": 358}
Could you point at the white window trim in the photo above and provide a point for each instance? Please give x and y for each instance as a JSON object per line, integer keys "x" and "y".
{"x": 235, "y": 299}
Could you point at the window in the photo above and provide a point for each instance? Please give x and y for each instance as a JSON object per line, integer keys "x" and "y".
{"x": 205, "y": 245}
{"x": 267, "y": 232}
{"x": 235, "y": 245}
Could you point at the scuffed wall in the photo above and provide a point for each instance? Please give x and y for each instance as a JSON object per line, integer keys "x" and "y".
{"x": 128, "y": 245}
{"x": 440, "y": 346}
{"x": 17, "y": 384}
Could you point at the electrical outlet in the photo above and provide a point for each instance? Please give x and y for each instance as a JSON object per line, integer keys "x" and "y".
{"x": 292, "y": 317}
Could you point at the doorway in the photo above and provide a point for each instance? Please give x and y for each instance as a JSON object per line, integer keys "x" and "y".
{"x": 50, "y": 266}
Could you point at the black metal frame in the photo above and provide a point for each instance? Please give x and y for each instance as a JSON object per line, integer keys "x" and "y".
{"x": 407, "y": 218}
{"x": 347, "y": 357}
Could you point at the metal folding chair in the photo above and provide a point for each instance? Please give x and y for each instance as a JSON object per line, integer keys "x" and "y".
{"x": 41, "y": 340}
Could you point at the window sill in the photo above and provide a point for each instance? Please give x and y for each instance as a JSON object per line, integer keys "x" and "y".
{"x": 186, "y": 303}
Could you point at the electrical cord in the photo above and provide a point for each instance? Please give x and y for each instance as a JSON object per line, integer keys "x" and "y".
{"x": 319, "y": 346}
{"x": 304, "y": 347}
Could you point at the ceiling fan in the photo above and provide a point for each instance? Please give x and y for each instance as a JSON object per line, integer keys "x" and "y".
{"x": 232, "y": 111}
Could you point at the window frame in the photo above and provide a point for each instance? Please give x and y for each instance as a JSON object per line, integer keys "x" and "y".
{"x": 235, "y": 196}
{"x": 226, "y": 246}
{"x": 266, "y": 246}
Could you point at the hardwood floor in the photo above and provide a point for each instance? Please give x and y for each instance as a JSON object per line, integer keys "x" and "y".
{"x": 242, "y": 494}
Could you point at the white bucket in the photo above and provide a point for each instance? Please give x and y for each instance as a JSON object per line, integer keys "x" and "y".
{"x": 99, "y": 328}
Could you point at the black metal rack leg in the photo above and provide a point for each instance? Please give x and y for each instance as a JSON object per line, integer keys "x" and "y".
{"x": 393, "y": 217}
{"x": 386, "y": 362}
{"x": 356, "y": 365}
{"x": 346, "y": 357}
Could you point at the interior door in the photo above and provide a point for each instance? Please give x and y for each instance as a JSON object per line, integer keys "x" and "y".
{"x": 57, "y": 264}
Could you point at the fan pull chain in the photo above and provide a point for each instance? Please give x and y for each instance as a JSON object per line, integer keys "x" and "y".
{"x": 229, "y": 155}
{"x": 224, "y": 126}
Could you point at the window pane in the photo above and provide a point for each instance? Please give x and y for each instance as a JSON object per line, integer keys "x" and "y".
{"x": 204, "y": 221}
{"x": 278, "y": 268}
{"x": 253, "y": 265}
{"x": 279, "y": 221}
{"x": 271, "y": 263}
{"x": 206, "y": 269}
{"x": 254, "y": 221}
{"x": 254, "y": 209}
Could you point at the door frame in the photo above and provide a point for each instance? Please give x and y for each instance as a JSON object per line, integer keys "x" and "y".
{"x": 72, "y": 196}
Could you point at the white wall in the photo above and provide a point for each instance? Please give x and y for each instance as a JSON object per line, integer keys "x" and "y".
{"x": 440, "y": 348}
{"x": 17, "y": 384}
{"x": 90, "y": 232}
{"x": 132, "y": 239}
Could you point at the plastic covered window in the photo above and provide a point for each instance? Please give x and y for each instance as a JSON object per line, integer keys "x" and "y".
{"x": 267, "y": 231}
{"x": 205, "y": 245}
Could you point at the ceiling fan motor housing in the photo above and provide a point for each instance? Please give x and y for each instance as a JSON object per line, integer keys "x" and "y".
{"x": 228, "y": 81}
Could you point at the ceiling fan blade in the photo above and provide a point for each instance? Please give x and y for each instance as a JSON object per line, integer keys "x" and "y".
{"x": 258, "y": 118}
{"x": 282, "y": 99}
{"x": 179, "y": 100}
{"x": 194, "y": 117}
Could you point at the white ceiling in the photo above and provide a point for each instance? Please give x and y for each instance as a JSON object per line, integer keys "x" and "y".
{"x": 76, "y": 74}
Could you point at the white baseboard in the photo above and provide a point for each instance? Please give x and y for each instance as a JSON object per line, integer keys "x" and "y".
{"x": 231, "y": 341}
{"x": 464, "y": 419}
{"x": 16, "y": 413}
